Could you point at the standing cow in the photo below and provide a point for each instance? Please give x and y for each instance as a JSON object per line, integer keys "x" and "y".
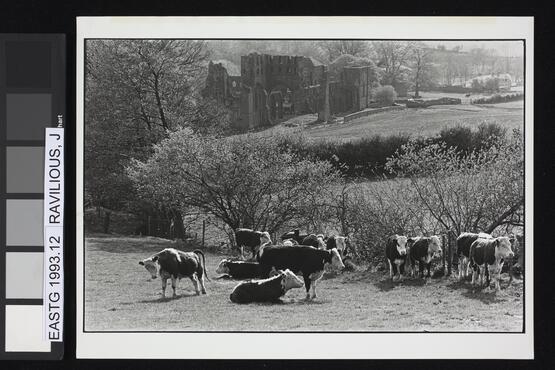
{"x": 423, "y": 250}
{"x": 316, "y": 241}
{"x": 396, "y": 254}
{"x": 337, "y": 241}
{"x": 175, "y": 264}
{"x": 301, "y": 259}
{"x": 266, "y": 290}
{"x": 251, "y": 239}
{"x": 464, "y": 241}
{"x": 294, "y": 235}
{"x": 489, "y": 254}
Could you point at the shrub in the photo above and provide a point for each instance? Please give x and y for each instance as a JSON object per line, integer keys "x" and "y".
{"x": 385, "y": 95}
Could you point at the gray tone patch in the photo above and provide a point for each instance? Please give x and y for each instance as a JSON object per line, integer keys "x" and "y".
{"x": 24, "y": 169}
{"x": 24, "y": 275}
{"x": 28, "y": 64}
{"x": 28, "y": 115}
{"x": 24, "y": 224}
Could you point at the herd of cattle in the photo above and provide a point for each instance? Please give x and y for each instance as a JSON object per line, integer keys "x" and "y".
{"x": 272, "y": 270}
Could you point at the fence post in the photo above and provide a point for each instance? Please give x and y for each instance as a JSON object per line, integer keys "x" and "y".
{"x": 203, "y": 231}
{"x": 445, "y": 242}
{"x": 450, "y": 261}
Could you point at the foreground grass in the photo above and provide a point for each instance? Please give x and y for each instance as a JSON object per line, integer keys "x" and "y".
{"x": 119, "y": 295}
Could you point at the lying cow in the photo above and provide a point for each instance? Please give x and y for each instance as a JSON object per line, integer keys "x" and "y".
{"x": 267, "y": 290}
{"x": 294, "y": 235}
{"x": 464, "y": 241}
{"x": 489, "y": 254}
{"x": 316, "y": 241}
{"x": 423, "y": 250}
{"x": 251, "y": 239}
{"x": 175, "y": 264}
{"x": 241, "y": 269}
{"x": 396, "y": 254}
{"x": 304, "y": 259}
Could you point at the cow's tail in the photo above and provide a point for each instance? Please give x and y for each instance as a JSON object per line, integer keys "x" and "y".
{"x": 199, "y": 252}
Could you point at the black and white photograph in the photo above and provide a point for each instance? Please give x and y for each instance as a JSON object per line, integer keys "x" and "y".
{"x": 322, "y": 185}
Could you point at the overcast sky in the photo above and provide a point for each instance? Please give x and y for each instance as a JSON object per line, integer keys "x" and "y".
{"x": 503, "y": 48}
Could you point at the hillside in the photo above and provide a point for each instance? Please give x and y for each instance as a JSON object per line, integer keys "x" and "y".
{"x": 427, "y": 121}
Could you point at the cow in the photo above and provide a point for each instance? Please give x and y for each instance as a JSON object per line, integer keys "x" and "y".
{"x": 295, "y": 235}
{"x": 176, "y": 264}
{"x": 464, "y": 241}
{"x": 336, "y": 241}
{"x": 396, "y": 254}
{"x": 316, "y": 241}
{"x": 252, "y": 239}
{"x": 490, "y": 254}
{"x": 307, "y": 260}
{"x": 241, "y": 269}
{"x": 423, "y": 250}
{"x": 289, "y": 242}
{"x": 266, "y": 290}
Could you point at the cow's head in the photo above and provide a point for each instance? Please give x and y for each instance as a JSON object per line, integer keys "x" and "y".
{"x": 434, "y": 246}
{"x": 223, "y": 267}
{"x": 288, "y": 243}
{"x": 401, "y": 244}
{"x": 503, "y": 248}
{"x": 340, "y": 243}
{"x": 151, "y": 265}
{"x": 290, "y": 280}
{"x": 265, "y": 238}
{"x": 336, "y": 261}
{"x": 321, "y": 241}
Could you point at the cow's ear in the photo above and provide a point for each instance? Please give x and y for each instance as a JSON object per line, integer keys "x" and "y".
{"x": 141, "y": 263}
{"x": 155, "y": 258}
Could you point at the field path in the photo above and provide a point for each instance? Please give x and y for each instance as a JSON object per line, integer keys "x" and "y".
{"x": 120, "y": 296}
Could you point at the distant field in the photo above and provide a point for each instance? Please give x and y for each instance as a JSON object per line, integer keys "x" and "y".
{"x": 425, "y": 121}
{"x": 120, "y": 296}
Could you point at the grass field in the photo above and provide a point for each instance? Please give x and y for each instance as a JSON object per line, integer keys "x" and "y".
{"x": 417, "y": 122}
{"x": 120, "y": 296}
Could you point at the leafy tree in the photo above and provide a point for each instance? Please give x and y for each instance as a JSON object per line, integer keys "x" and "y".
{"x": 393, "y": 58}
{"x": 385, "y": 95}
{"x": 244, "y": 181}
{"x": 479, "y": 191}
{"x": 422, "y": 75}
{"x": 335, "y": 48}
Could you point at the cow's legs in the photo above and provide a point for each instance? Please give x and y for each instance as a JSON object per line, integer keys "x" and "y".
{"x": 462, "y": 267}
{"x": 390, "y": 269}
{"x": 164, "y": 283}
{"x": 174, "y": 284}
{"x": 202, "y": 286}
{"x": 401, "y": 270}
{"x": 314, "y": 278}
{"x": 421, "y": 268}
{"x": 195, "y": 283}
{"x": 475, "y": 272}
{"x": 307, "y": 282}
{"x": 482, "y": 275}
{"x": 428, "y": 267}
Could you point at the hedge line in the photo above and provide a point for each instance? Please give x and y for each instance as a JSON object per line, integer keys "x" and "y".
{"x": 366, "y": 157}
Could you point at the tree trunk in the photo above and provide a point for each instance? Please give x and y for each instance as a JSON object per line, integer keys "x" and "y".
{"x": 159, "y": 103}
{"x": 106, "y": 222}
{"x": 179, "y": 228}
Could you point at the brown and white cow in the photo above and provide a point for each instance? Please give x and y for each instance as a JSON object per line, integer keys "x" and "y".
{"x": 464, "y": 241}
{"x": 396, "y": 254}
{"x": 251, "y": 239}
{"x": 423, "y": 250}
{"x": 489, "y": 254}
{"x": 176, "y": 264}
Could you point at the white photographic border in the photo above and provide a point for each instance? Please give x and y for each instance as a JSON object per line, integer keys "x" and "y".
{"x": 291, "y": 345}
